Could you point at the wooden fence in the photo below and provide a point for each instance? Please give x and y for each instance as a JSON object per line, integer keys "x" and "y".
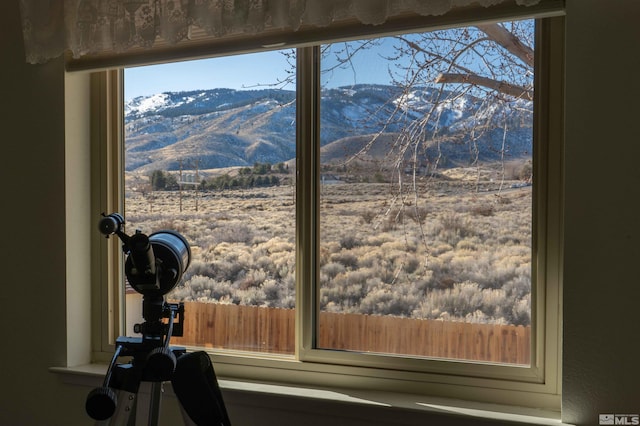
{"x": 273, "y": 330}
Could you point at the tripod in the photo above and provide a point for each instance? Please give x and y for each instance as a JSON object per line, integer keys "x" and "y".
{"x": 154, "y": 361}
{"x": 154, "y": 266}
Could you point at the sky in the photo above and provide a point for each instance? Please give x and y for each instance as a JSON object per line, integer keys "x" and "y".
{"x": 240, "y": 72}
{"x": 250, "y": 71}
{"x": 232, "y": 72}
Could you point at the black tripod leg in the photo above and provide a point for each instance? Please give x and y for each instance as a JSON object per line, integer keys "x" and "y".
{"x": 195, "y": 384}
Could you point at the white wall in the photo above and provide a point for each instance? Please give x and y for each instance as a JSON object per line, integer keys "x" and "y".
{"x": 601, "y": 370}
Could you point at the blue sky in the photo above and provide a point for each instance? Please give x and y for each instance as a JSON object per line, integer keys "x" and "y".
{"x": 233, "y": 72}
{"x": 241, "y": 72}
{"x": 251, "y": 70}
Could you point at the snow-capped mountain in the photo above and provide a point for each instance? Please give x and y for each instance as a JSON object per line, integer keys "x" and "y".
{"x": 225, "y": 127}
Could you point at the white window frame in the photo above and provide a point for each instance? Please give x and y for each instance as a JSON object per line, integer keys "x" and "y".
{"x": 535, "y": 386}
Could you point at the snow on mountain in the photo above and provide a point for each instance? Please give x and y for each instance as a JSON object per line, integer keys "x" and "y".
{"x": 144, "y": 104}
{"x": 225, "y": 127}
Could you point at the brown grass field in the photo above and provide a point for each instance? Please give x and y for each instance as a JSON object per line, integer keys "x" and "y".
{"x": 455, "y": 247}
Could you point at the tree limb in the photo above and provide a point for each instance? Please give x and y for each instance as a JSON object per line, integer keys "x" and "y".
{"x": 415, "y": 46}
{"x": 510, "y": 42}
{"x": 500, "y": 86}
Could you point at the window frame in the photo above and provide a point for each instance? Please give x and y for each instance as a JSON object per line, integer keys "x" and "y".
{"x": 535, "y": 386}
{"x": 107, "y": 159}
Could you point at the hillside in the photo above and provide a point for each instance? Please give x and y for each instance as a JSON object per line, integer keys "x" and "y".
{"x": 224, "y": 127}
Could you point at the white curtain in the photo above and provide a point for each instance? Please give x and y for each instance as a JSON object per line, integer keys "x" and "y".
{"x": 84, "y": 27}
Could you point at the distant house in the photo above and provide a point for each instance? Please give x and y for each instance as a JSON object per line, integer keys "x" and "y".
{"x": 327, "y": 179}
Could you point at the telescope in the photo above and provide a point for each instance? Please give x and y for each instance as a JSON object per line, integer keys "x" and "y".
{"x": 154, "y": 265}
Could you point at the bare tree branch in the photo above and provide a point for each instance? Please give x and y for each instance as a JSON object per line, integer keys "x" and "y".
{"x": 500, "y": 86}
{"x": 432, "y": 54}
{"x": 510, "y": 42}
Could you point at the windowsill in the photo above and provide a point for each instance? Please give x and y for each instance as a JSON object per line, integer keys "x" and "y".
{"x": 407, "y": 405}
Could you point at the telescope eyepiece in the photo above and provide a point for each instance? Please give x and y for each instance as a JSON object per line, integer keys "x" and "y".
{"x": 111, "y": 224}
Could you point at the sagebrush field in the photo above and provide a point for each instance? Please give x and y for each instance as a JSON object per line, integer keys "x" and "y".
{"x": 456, "y": 247}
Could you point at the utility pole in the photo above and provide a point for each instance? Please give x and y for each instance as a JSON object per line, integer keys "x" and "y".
{"x": 180, "y": 184}
{"x": 197, "y": 185}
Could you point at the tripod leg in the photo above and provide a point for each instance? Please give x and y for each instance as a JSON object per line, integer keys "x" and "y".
{"x": 154, "y": 406}
{"x": 195, "y": 384}
{"x": 124, "y": 408}
{"x": 148, "y": 404}
{"x": 185, "y": 417}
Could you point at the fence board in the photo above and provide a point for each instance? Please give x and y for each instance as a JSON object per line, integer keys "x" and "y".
{"x": 272, "y": 330}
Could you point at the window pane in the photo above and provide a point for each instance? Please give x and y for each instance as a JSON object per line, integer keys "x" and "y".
{"x": 426, "y": 196}
{"x": 210, "y": 153}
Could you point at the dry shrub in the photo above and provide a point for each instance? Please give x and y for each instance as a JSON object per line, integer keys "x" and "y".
{"x": 384, "y": 301}
{"x": 482, "y": 210}
{"x": 368, "y": 216}
{"x": 462, "y": 257}
{"x": 332, "y": 269}
{"x": 346, "y": 258}
{"x": 234, "y": 233}
{"x": 349, "y": 241}
{"x": 417, "y": 214}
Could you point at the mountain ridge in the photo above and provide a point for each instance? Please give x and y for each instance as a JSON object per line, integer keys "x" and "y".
{"x": 221, "y": 128}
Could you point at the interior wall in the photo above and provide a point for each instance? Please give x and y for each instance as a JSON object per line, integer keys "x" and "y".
{"x": 32, "y": 244}
{"x": 601, "y": 368}
{"x": 601, "y": 371}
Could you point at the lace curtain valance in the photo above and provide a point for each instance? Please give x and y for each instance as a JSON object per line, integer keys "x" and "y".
{"x": 85, "y": 27}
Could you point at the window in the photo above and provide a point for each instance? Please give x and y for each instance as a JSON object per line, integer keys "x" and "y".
{"x": 380, "y": 209}
{"x": 426, "y": 197}
{"x": 214, "y": 160}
